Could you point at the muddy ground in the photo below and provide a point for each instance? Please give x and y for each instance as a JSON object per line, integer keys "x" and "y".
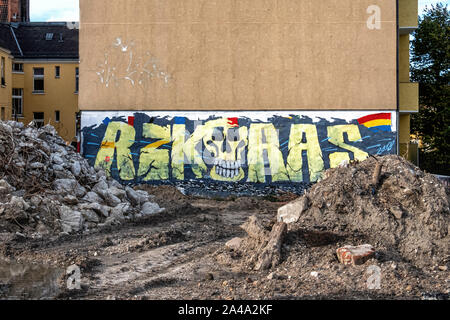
{"x": 180, "y": 254}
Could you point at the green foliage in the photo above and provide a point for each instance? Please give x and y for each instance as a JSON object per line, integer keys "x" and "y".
{"x": 430, "y": 66}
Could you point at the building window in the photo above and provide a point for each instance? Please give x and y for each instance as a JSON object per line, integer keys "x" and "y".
{"x": 17, "y": 102}
{"x": 3, "y": 66}
{"x": 57, "y": 116}
{"x": 3, "y": 114}
{"x": 18, "y": 67}
{"x": 77, "y": 77}
{"x": 57, "y": 71}
{"x": 38, "y": 80}
{"x": 38, "y": 118}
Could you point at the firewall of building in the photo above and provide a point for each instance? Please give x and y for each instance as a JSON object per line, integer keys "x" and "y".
{"x": 260, "y": 91}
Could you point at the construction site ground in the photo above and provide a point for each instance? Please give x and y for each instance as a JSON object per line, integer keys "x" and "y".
{"x": 178, "y": 254}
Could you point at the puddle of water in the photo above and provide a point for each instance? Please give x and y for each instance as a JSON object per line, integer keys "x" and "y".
{"x": 28, "y": 281}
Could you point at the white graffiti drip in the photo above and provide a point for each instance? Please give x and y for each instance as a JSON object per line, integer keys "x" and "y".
{"x": 138, "y": 70}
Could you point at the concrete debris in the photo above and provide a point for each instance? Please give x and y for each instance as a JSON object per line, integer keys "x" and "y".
{"x": 46, "y": 187}
{"x": 291, "y": 212}
{"x": 234, "y": 244}
{"x": 70, "y": 220}
{"x": 150, "y": 208}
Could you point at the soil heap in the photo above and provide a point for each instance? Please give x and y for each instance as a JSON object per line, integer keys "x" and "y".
{"x": 384, "y": 201}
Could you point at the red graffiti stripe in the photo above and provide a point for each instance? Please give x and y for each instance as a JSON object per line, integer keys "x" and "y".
{"x": 377, "y": 116}
{"x": 233, "y": 122}
{"x": 131, "y": 121}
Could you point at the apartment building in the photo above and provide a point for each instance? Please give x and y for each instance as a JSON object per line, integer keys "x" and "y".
{"x": 42, "y": 75}
{"x": 263, "y": 91}
{"x": 14, "y": 10}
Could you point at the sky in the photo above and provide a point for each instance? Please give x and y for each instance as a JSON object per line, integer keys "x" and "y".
{"x": 68, "y": 10}
{"x": 54, "y": 10}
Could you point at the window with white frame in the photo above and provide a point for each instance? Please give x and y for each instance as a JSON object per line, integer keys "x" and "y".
{"x": 17, "y": 102}
{"x": 38, "y": 79}
{"x": 18, "y": 67}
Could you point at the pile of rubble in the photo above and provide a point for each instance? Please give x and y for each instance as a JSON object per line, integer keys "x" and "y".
{"x": 46, "y": 187}
{"x": 384, "y": 204}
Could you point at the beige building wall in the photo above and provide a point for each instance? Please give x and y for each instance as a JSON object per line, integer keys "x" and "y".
{"x": 5, "y": 89}
{"x": 238, "y": 55}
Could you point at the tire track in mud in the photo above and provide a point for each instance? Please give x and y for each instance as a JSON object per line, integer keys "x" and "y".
{"x": 159, "y": 257}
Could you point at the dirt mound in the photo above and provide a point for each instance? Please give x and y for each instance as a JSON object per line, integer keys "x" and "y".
{"x": 384, "y": 201}
{"x": 402, "y": 208}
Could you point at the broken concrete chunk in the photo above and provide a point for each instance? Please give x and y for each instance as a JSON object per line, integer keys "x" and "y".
{"x": 36, "y": 165}
{"x": 355, "y": 255}
{"x": 133, "y": 196}
{"x": 234, "y": 244}
{"x": 119, "y": 193}
{"x": 100, "y": 187}
{"x": 56, "y": 158}
{"x": 114, "y": 183}
{"x": 120, "y": 211}
{"x": 110, "y": 199}
{"x": 98, "y": 208}
{"x": 69, "y": 186}
{"x": 90, "y": 216}
{"x": 71, "y": 221}
{"x": 92, "y": 197}
{"x": 19, "y": 203}
{"x": 7, "y": 187}
{"x": 150, "y": 208}
{"x": 143, "y": 196}
{"x": 35, "y": 201}
{"x": 76, "y": 169}
{"x": 291, "y": 212}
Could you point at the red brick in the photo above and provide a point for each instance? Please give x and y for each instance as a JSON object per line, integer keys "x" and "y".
{"x": 355, "y": 255}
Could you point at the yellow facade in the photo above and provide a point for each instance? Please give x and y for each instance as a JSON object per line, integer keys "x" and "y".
{"x": 59, "y": 95}
{"x": 407, "y": 13}
{"x": 408, "y": 91}
{"x": 5, "y": 88}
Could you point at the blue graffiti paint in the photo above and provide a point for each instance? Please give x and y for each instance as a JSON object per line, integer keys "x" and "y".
{"x": 370, "y": 141}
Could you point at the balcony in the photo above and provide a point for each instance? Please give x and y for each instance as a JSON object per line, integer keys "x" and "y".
{"x": 409, "y": 97}
{"x": 408, "y": 11}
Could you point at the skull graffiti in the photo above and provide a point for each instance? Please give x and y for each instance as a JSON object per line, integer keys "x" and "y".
{"x": 225, "y": 144}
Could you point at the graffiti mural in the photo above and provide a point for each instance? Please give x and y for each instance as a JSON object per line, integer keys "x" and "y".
{"x": 232, "y": 147}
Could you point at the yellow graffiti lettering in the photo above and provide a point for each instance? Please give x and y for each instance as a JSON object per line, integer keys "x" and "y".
{"x": 313, "y": 151}
{"x": 178, "y": 138}
{"x": 154, "y": 163}
{"x": 256, "y": 169}
{"x": 121, "y": 148}
{"x": 186, "y": 149}
{"x": 194, "y": 157}
{"x": 336, "y": 134}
